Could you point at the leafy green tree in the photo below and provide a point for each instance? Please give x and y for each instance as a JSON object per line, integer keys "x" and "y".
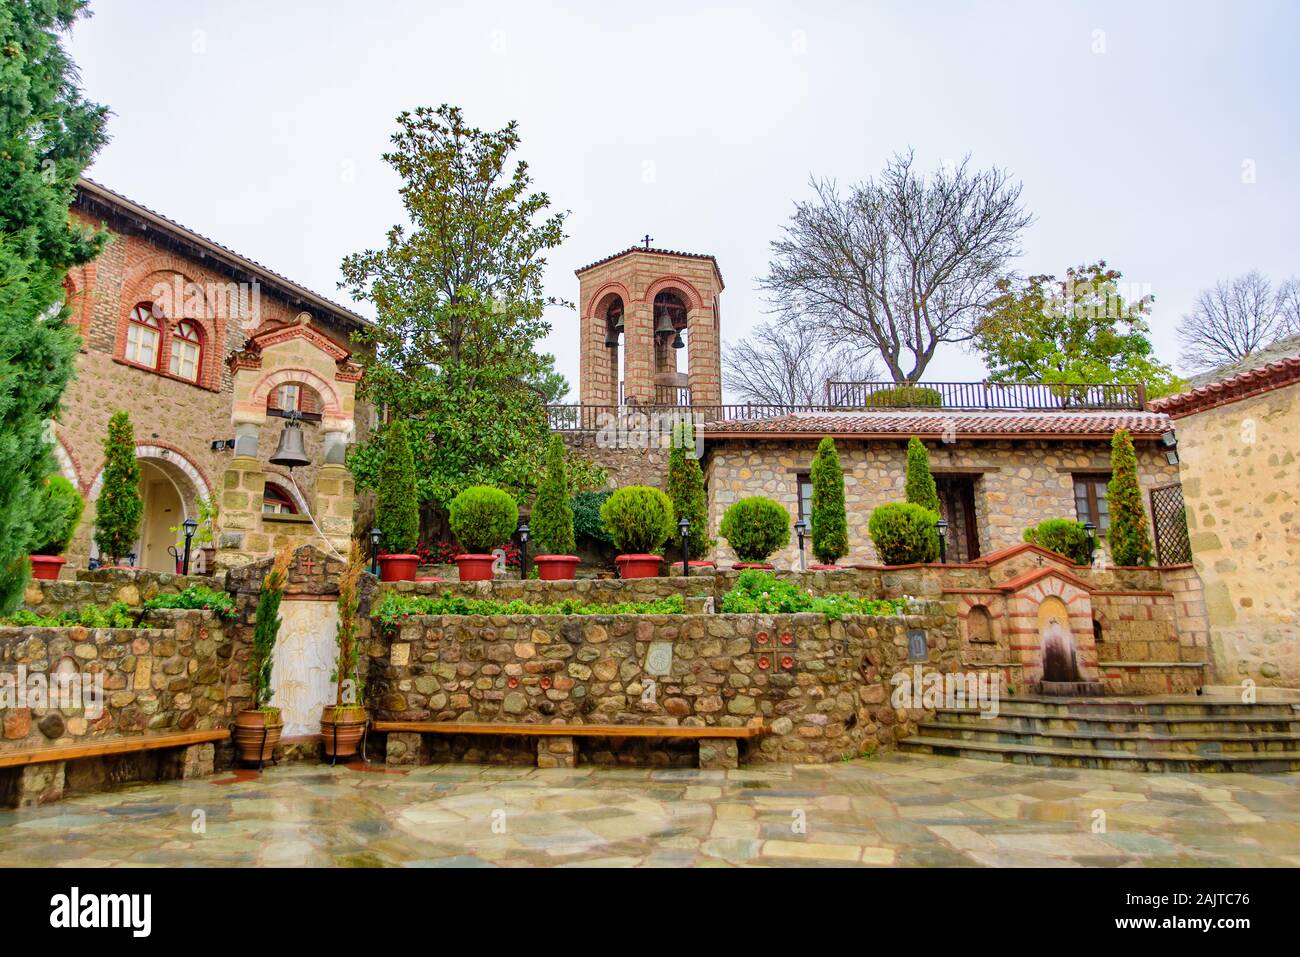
{"x": 920, "y": 489}
{"x": 119, "y": 508}
{"x": 459, "y": 304}
{"x": 60, "y": 513}
{"x": 686, "y": 489}
{"x": 830, "y": 534}
{"x": 1079, "y": 329}
{"x": 397, "y": 512}
{"x": 1130, "y": 542}
{"x": 551, "y": 522}
{"x": 48, "y": 135}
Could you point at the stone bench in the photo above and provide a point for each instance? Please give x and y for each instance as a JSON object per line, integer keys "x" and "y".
{"x": 30, "y": 776}
{"x": 719, "y": 747}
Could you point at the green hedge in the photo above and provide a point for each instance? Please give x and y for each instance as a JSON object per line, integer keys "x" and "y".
{"x": 482, "y": 517}
{"x": 638, "y": 519}
{"x": 56, "y": 521}
{"x": 394, "y": 607}
{"x": 756, "y": 528}
{"x": 760, "y": 592}
{"x": 904, "y": 533}
{"x": 1063, "y": 536}
{"x": 905, "y": 396}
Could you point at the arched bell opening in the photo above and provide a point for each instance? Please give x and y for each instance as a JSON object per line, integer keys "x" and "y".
{"x": 672, "y": 382}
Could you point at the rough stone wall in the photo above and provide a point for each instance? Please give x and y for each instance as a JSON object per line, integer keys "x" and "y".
{"x": 1241, "y": 488}
{"x": 1024, "y": 482}
{"x": 105, "y": 586}
{"x": 821, "y": 686}
{"x": 624, "y": 466}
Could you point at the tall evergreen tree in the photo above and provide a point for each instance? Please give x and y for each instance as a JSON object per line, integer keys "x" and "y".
{"x": 686, "y": 489}
{"x": 119, "y": 507}
{"x": 1130, "y": 541}
{"x": 920, "y": 489}
{"x": 552, "y": 519}
{"x": 830, "y": 532}
{"x": 48, "y": 135}
{"x": 397, "y": 511}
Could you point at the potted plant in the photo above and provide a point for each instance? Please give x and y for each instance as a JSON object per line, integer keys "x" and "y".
{"x": 481, "y": 517}
{"x": 686, "y": 490}
{"x": 342, "y": 723}
{"x": 638, "y": 519}
{"x": 257, "y": 729}
{"x": 755, "y": 528}
{"x": 56, "y": 521}
{"x": 830, "y": 538}
{"x": 119, "y": 508}
{"x": 397, "y": 508}
{"x": 904, "y": 533}
{"x": 201, "y": 543}
{"x": 552, "y": 519}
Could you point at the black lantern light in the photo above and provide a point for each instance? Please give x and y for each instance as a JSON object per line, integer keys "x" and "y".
{"x": 190, "y": 526}
{"x": 684, "y": 527}
{"x": 523, "y": 551}
{"x": 942, "y": 526}
{"x": 1090, "y": 530}
{"x": 375, "y": 536}
{"x": 801, "y": 529}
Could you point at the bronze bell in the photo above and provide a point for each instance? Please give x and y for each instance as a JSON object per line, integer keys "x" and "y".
{"x": 677, "y": 340}
{"x": 291, "y": 451}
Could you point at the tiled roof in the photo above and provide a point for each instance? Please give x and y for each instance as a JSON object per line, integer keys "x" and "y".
{"x": 936, "y": 423}
{"x": 642, "y": 249}
{"x": 232, "y": 259}
{"x": 1254, "y": 379}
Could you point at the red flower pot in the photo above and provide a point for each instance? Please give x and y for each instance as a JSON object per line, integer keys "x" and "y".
{"x": 556, "y": 568}
{"x": 817, "y": 567}
{"x": 638, "y": 566}
{"x": 398, "y": 568}
{"x": 46, "y": 567}
{"x": 475, "y": 568}
{"x": 766, "y": 566}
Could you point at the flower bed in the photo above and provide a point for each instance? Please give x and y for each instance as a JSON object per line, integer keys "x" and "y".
{"x": 757, "y": 592}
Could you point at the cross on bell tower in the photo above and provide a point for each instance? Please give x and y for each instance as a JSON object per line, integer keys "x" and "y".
{"x": 647, "y": 239}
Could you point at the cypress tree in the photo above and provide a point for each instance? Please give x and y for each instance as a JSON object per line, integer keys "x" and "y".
{"x": 119, "y": 508}
{"x": 686, "y": 489}
{"x": 551, "y": 523}
{"x": 830, "y": 532}
{"x": 397, "y": 506}
{"x": 1130, "y": 542}
{"x": 921, "y": 489}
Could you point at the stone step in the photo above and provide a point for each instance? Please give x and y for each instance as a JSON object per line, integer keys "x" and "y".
{"x": 1162, "y": 707}
{"x": 1267, "y": 762}
{"x": 1212, "y": 725}
{"x": 1206, "y": 744}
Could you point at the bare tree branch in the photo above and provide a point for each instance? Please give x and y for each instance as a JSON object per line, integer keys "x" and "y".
{"x": 899, "y": 265}
{"x": 1236, "y": 318}
{"x": 784, "y": 363}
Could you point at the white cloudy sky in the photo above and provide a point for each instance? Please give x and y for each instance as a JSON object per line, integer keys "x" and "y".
{"x": 261, "y": 124}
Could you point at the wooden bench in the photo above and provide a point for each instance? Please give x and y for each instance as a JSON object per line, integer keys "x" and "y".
{"x": 555, "y": 747}
{"x": 37, "y": 775}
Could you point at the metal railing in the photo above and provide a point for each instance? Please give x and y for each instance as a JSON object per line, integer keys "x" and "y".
{"x": 665, "y": 395}
{"x": 1028, "y": 396}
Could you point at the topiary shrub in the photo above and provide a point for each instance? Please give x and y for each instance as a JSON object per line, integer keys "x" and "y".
{"x": 587, "y": 522}
{"x": 920, "y": 488}
{"x": 1130, "y": 542}
{"x": 397, "y": 505}
{"x": 57, "y": 517}
{"x": 755, "y": 528}
{"x": 638, "y": 519}
{"x": 482, "y": 517}
{"x": 905, "y": 396}
{"x": 551, "y": 522}
{"x": 119, "y": 507}
{"x": 904, "y": 533}
{"x": 686, "y": 490}
{"x": 830, "y": 529}
{"x": 1063, "y": 536}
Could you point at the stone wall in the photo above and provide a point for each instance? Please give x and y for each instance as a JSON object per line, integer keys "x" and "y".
{"x": 1241, "y": 489}
{"x": 103, "y": 587}
{"x": 623, "y": 466}
{"x": 1018, "y": 485}
{"x": 821, "y": 686}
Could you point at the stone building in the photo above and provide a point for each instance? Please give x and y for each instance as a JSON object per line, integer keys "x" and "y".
{"x": 209, "y": 352}
{"x": 1237, "y": 444}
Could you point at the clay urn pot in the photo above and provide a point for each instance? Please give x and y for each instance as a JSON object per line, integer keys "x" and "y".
{"x": 556, "y": 568}
{"x": 638, "y": 566}
{"x": 257, "y": 733}
{"x": 475, "y": 568}
{"x": 341, "y": 729}
{"x": 398, "y": 568}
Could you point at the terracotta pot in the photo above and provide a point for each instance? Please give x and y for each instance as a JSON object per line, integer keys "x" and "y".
{"x": 398, "y": 568}
{"x": 556, "y": 568}
{"x": 766, "y": 566}
{"x": 346, "y": 732}
{"x": 818, "y": 567}
{"x": 475, "y": 568}
{"x": 256, "y": 735}
{"x": 46, "y": 567}
{"x": 638, "y": 566}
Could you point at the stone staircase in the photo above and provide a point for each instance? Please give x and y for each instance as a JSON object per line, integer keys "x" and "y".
{"x": 1167, "y": 733}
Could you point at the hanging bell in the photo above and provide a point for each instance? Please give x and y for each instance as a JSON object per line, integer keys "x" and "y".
{"x": 611, "y": 337}
{"x": 677, "y": 340}
{"x": 618, "y": 324}
{"x": 291, "y": 451}
{"x": 664, "y": 324}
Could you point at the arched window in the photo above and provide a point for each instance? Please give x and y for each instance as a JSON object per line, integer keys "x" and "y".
{"x": 276, "y": 501}
{"x": 286, "y": 398}
{"x": 143, "y": 334}
{"x": 187, "y": 351}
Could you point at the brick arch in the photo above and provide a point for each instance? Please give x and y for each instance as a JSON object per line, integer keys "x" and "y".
{"x": 676, "y": 284}
{"x": 69, "y": 467}
{"x": 188, "y": 476}
{"x": 609, "y": 288}
{"x": 80, "y": 286}
{"x": 272, "y": 380}
{"x": 140, "y": 285}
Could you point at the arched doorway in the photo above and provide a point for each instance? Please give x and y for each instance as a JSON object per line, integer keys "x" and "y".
{"x": 163, "y": 510}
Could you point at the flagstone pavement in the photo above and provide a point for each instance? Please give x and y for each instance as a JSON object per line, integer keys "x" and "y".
{"x": 894, "y": 810}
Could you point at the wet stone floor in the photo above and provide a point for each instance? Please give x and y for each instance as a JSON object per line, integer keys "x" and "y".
{"x": 895, "y": 810}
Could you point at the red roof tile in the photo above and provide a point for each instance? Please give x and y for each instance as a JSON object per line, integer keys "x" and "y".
{"x": 936, "y": 423}
{"x": 1243, "y": 385}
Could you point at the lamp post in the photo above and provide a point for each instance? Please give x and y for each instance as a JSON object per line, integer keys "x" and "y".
{"x": 523, "y": 551}
{"x": 684, "y": 527}
{"x": 942, "y": 526}
{"x": 375, "y": 536}
{"x": 190, "y": 526}
{"x": 1089, "y": 529}
{"x": 801, "y": 529}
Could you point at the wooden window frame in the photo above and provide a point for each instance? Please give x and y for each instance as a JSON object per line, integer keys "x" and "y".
{"x": 153, "y": 324}
{"x": 1091, "y": 480}
{"x": 197, "y": 342}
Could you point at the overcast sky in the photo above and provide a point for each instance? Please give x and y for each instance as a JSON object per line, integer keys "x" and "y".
{"x": 1162, "y": 137}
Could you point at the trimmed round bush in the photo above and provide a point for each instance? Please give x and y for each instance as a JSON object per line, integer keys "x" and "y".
{"x": 1063, "y": 536}
{"x": 638, "y": 519}
{"x": 904, "y": 533}
{"x": 57, "y": 519}
{"x": 905, "y": 396}
{"x": 482, "y": 517}
{"x": 755, "y": 528}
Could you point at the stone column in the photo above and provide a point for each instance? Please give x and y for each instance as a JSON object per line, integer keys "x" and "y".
{"x": 703, "y": 357}
{"x": 242, "y": 488}
{"x": 557, "y": 752}
{"x": 404, "y": 748}
{"x": 718, "y": 753}
{"x": 335, "y": 497}
{"x": 639, "y": 354}
{"x": 598, "y": 373}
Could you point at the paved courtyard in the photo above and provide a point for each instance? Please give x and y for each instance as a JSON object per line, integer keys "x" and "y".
{"x": 894, "y": 810}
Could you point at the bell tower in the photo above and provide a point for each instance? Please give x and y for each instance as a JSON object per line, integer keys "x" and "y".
{"x": 650, "y": 329}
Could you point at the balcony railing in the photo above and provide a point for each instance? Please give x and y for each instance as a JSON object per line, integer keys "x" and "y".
{"x": 869, "y": 396}
{"x": 665, "y": 395}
